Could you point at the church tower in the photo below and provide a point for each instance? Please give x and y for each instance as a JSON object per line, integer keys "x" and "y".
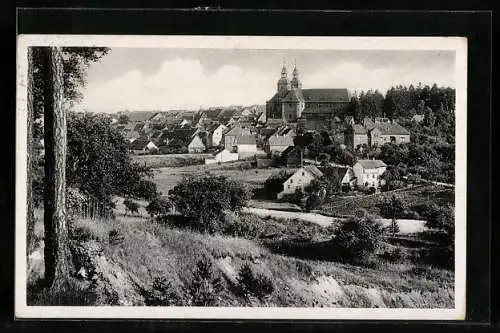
{"x": 296, "y": 84}
{"x": 283, "y": 83}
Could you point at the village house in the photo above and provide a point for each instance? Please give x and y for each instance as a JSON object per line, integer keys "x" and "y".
{"x": 196, "y": 144}
{"x": 299, "y": 180}
{"x": 246, "y": 144}
{"x": 131, "y": 136}
{"x": 158, "y": 118}
{"x": 231, "y": 137}
{"x": 263, "y": 134}
{"x": 385, "y": 132}
{"x": 262, "y": 118}
{"x": 343, "y": 174}
{"x": 143, "y": 145}
{"x": 221, "y": 156}
{"x": 280, "y": 140}
{"x": 278, "y": 143}
{"x": 216, "y": 132}
{"x": 291, "y": 157}
{"x": 368, "y": 172}
{"x": 355, "y": 135}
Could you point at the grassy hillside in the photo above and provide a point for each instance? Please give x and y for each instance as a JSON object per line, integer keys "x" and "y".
{"x": 128, "y": 269}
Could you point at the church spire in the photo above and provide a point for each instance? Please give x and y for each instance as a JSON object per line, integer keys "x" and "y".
{"x": 283, "y": 82}
{"x": 296, "y": 80}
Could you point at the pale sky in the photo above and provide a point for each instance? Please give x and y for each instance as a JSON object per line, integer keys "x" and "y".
{"x": 163, "y": 79}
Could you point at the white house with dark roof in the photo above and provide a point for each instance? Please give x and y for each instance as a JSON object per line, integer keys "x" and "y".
{"x": 246, "y": 143}
{"x": 231, "y": 137}
{"x": 196, "y": 145}
{"x": 368, "y": 172}
{"x": 300, "y": 180}
{"x": 216, "y": 132}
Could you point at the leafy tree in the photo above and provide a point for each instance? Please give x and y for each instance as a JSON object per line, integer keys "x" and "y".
{"x": 205, "y": 198}
{"x": 357, "y": 238}
{"x": 274, "y": 184}
{"x": 313, "y": 201}
{"x": 98, "y": 162}
{"x": 123, "y": 119}
{"x": 393, "y": 208}
{"x": 354, "y": 109}
{"x": 158, "y": 207}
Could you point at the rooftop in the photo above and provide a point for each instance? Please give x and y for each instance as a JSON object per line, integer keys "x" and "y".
{"x": 371, "y": 164}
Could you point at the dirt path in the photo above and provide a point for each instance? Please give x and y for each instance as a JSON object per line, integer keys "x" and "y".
{"x": 405, "y": 226}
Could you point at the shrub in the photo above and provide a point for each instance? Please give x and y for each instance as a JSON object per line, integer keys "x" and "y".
{"x": 313, "y": 202}
{"x": 204, "y": 285}
{"x": 162, "y": 293}
{"x": 357, "y": 239}
{"x": 274, "y": 184}
{"x": 131, "y": 206}
{"x": 258, "y": 284}
{"x": 204, "y": 199}
{"x": 158, "y": 208}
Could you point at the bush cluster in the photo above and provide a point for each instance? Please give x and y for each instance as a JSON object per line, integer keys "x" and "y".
{"x": 162, "y": 293}
{"x": 204, "y": 285}
{"x": 357, "y": 239}
{"x": 256, "y": 284}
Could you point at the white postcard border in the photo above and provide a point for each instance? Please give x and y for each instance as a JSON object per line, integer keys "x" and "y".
{"x": 457, "y": 44}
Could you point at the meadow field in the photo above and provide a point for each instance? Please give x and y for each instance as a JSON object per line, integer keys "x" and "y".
{"x": 167, "y": 177}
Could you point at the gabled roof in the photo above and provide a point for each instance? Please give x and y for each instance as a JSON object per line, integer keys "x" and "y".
{"x": 267, "y": 131}
{"x": 391, "y": 129}
{"x": 195, "y": 139}
{"x": 371, "y": 164}
{"x": 139, "y": 144}
{"x": 247, "y": 139}
{"x": 294, "y": 95}
{"x": 238, "y": 131}
{"x": 313, "y": 170}
{"x": 280, "y": 140}
{"x": 358, "y": 129}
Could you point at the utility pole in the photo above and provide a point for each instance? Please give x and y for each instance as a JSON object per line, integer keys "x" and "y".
{"x": 56, "y": 249}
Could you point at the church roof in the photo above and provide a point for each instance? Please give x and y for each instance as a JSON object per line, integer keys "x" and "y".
{"x": 325, "y": 95}
{"x": 294, "y": 95}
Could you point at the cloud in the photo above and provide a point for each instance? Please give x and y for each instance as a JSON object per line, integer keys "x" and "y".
{"x": 185, "y": 83}
{"x": 180, "y": 83}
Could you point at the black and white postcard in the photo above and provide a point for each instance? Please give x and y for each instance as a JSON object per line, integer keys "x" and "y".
{"x": 234, "y": 177}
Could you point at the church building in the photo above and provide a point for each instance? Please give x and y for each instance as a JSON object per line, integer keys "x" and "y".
{"x": 313, "y": 108}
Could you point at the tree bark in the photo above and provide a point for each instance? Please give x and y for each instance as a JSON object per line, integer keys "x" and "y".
{"x": 30, "y": 221}
{"x": 56, "y": 251}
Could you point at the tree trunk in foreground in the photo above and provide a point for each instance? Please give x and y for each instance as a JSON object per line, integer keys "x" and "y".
{"x": 56, "y": 251}
{"x": 30, "y": 219}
